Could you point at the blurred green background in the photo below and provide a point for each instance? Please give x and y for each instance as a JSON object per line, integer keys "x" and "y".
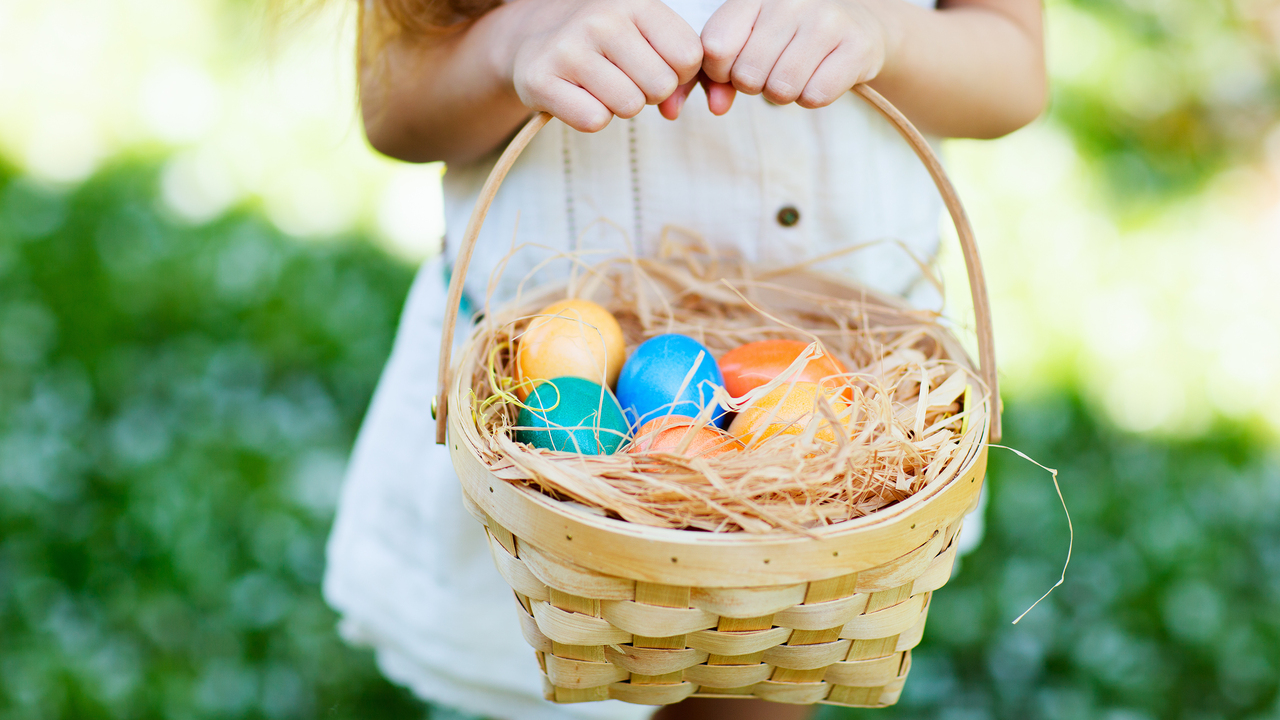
{"x": 201, "y": 267}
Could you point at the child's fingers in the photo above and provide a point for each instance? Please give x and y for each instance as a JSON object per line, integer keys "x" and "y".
{"x": 672, "y": 38}
{"x": 670, "y": 108}
{"x": 573, "y": 105}
{"x": 798, "y": 62}
{"x": 610, "y": 86}
{"x": 845, "y": 67}
{"x": 635, "y": 57}
{"x": 719, "y": 95}
{"x": 768, "y": 39}
{"x": 725, "y": 35}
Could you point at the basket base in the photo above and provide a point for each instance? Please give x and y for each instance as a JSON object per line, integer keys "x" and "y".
{"x": 849, "y": 645}
{"x": 790, "y": 693}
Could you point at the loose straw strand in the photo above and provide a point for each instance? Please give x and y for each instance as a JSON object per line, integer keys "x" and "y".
{"x": 1071, "y": 537}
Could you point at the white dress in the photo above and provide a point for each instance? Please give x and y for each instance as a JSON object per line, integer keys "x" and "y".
{"x": 408, "y": 569}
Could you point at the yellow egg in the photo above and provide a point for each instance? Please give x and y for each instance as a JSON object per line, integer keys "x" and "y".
{"x": 788, "y": 410}
{"x": 573, "y": 338}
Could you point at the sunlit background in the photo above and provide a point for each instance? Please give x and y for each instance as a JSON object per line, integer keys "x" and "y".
{"x": 201, "y": 265}
{"x": 239, "y": 111}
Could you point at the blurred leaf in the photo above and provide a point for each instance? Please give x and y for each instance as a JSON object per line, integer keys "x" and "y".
{"x": 1169, "y": 609}
{"x": 1162, "y": 96}
{"x": 176, "y": 405}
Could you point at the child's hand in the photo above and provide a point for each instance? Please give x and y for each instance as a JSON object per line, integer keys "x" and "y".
{"x": 809, "y": 52}
{"x": 719, "y": 97}
{"x": 585, "y": 62}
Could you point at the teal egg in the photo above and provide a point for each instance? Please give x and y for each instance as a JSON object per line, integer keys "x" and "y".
{"x": 571, "y": 414}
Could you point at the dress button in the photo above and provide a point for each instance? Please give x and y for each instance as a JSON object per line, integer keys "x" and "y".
{"x": 788, "y": 216}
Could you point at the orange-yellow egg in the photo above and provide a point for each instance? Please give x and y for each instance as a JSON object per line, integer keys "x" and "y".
{"x": 749, "y": 366}
{"x": 570, "y": 338}
{"x": 788, "y": 410}
{"x": 664, "y": 434}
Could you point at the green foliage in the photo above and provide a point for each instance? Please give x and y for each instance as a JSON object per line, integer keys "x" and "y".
{"x": 176, "y": 405}
{"x": 1160, "y": 96}
{"x": 1171, "y": 606}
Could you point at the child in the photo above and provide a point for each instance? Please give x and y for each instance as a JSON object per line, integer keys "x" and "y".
{"x": 801, "y": 171}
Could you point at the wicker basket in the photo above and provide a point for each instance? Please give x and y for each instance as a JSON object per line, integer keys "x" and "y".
{"x": 653, "y": 616}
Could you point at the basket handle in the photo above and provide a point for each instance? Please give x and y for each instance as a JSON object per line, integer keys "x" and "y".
{"x": 968, "y": 245}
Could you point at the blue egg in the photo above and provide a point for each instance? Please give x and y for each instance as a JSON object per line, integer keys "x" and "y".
{"x": 571, "y": 414}
{"x": 653, "y": 375}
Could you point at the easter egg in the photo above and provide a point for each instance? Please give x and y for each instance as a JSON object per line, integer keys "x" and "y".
{"x": 788, "y": 410}
{"x": 665, "y": 434}
{"x": 749, "y": 366}
{"x": 651, "y": 381}
{"x": 570, "y": 414}
{"x": 571, "y": 338}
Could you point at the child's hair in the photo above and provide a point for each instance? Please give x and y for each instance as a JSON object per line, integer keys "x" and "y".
{"x": 414, "y": 17}
{"x": 384, "y": 20}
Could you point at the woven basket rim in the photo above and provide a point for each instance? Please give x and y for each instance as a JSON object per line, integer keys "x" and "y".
{"x": 731, "y": 559}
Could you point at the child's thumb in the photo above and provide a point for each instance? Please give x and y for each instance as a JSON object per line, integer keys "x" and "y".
{"x": 719, "y": 95}
{"x": 670, "y": 108}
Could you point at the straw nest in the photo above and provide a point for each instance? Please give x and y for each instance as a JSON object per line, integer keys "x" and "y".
{"x": 911, "y": 392}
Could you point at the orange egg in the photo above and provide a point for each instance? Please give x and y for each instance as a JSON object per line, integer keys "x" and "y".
{"x": 788, "y": 410}
{"x": 749, "y": 366}
{"x": 664, "y": 434}
{"x": 571, "y": 338}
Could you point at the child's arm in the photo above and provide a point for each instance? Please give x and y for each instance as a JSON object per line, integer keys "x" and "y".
{"x": 974, "y": 68}
{"x": 455, "y": 96}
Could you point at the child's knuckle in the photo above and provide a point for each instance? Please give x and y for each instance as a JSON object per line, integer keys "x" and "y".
{"x": 715, "y": 47}
{"x": 593, "y": 121}
{"x": 662, "y": 87}
{"x": 830, "y": 33}
{"x": 566, "y": 49}
{"x": 780, "y": 91}
{"x": 813, "y": 98}
{"x": 601, "y": 25}
{"x": 830, "y": 19}
{"x": 747, "y": 79}
{"x": 536, "y": 84}
{"x": 687, "y": 57}
{"x": 631, "y": 106}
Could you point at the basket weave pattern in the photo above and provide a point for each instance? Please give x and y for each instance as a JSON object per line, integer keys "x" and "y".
{"x": 845, "y": 640}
